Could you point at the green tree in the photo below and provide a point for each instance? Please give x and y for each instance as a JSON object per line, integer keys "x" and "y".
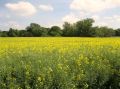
{"x": 24, "y": 33}
{"x": 4, "y": 34}
{"x": 69, "y": 30}
{"x": 35, "y": 29}
{"x": 44, "y": 32}
{"x": 13, "y": 32}
{"x": 55, "y": 31}
{"x": 117, "y": 32}
{"x": 104, "y": 32}
{"x": 0, "y": 33}
{"x": 93, "y": 31}
{"x": 83, "y": 27}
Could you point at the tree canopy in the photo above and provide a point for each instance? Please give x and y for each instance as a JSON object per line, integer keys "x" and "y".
{"x": 82, "y": 28}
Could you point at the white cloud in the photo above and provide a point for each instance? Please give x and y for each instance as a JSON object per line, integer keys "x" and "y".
{"x": 101, "y": 23}
{"x": 46, "y": 7}
{"x": 70, "y": 18}
{"x": 74, "y": 17}
{"x": 94, "y": 5}
{"x": 95, "y": 17}
{"x": 22, "y": 8}
{"x": 54, "y": 24}
{"x": 110, "y": 21}
{"x": 113, "y": 18}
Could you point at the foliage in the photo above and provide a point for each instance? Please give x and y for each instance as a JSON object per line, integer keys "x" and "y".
{"x": 55, "y": 31}
{"x": 103, "y": 32}
{"x": 117, "y": 32}
{"x": 13, "y": 33}
{"x": 4, "y": 34}
{"x": 68, "y": 30}
{"x": 82, "y": 28}
{"x": 59, "y": 63}
{"x": 34, "y": 29}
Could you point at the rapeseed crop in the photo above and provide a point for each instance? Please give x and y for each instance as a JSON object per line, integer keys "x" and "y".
{"x": 59, "y": 63}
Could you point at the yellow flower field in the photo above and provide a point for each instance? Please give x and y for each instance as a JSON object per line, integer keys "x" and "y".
{"x": 59, "y": 63}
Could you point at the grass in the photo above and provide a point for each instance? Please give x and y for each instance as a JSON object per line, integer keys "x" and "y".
{"x": 59, "y": 63}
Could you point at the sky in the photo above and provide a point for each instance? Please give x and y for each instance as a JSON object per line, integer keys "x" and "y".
{"x": 20, "y": 13}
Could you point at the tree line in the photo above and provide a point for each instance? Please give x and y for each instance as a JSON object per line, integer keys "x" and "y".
{"x": 82, "y": 28}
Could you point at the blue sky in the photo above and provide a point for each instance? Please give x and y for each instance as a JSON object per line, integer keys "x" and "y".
{"x": 20, "y": 13}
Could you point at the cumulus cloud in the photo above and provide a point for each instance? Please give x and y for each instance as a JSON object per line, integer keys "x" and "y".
{"x": 94, "y": 5}
{"x": 113, "y": 18}
{"x": 93, "y": 8}
{"x": 95, "y": 17}
{"x": 70, "y": 18}
{"x": 46, "y": 8}
{"x": 101, "y": 23}
{"x": 22, "y": 8}
{"x": 111, "y": 21}
{"x": 74, "y": 17}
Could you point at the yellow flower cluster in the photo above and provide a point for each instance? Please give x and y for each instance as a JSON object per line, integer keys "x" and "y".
{"x": 53, "y": 61}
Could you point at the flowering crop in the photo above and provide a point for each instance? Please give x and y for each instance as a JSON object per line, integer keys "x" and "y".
{"x": 59, "y": 63}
